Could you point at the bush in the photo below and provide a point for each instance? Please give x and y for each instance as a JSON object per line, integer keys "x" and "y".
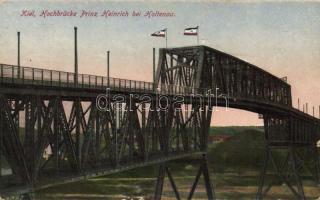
{"x": 246, "y": 149}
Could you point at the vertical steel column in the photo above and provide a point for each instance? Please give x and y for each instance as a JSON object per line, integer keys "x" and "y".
{"x": 296, "y": 173}
{"x": 1, "y": 142}
{"x": 154, "y": 68}
{"x": 78, "y": 129}
{"x": 307, "y": 107}
{"x": 18, "y": 54}
{"x": 173, "y": 185}
{"x": 131, "y": 126}
{"x": 313, "y": 111}
{"x": 77, "y": 101}
{"x": 263, "y": 174}
{"x": 75, "y": 57}
{"x": 29, "y": 142}
{"x": 98, "y": 129}
{"x": 195, "y": 183}
{"x": 155, "y": 123}
{"x": 206, "y": 114}
{"x": 317, "y": 163}
{"x": 108, "y": 67}
{"x": 41, "y": 118}
{"x": 163, "y": 169}
{"x": 206, "y": 176}
{"x": 144, "y": 130}
{"x": 56, "y": 131}
{"x": 16, "y": 117}
{"x": 118, "y": 140}
{"x": 160, "y": 181}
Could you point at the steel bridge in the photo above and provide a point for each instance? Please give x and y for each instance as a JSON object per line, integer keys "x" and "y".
{"x": 91, "y": 134}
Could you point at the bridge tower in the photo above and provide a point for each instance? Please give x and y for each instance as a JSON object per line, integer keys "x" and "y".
{"x": 180, "y": 72}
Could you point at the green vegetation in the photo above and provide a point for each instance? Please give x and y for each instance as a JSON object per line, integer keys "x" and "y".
{"x": 245, "y": 150}
{"x": 233, "y": 130}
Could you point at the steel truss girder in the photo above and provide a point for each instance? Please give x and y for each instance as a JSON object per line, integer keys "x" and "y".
{"x": 84, "y": 138}
{"x": 204, "y": 67}
{"x": 290, "y": 129}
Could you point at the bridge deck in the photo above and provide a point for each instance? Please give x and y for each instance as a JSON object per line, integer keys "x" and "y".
{"x": 28, "y": 76}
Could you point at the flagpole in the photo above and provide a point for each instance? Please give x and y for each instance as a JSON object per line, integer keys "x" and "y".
{"x": 198, "y": 35}
{"x": 166, "y": 38}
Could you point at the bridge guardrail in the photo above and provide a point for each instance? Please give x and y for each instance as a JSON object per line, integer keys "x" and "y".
{"x": 46, "y": 77}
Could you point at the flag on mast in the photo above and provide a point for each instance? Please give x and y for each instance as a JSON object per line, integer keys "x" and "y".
{"x": 161, "y": 33}
{"x": 191, "y": 31}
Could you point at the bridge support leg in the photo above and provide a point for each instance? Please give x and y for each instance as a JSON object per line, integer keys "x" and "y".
{"x": 159, "y": 184}
{"x": 203, "y": 169}
{"x": 314, "y": 169}
{"x": 263, "y": 174}
{"x": 163, "y": 169}
{"x": 316, "y": 156}
{"x": 286, "y": 170}
{"x": 294, "y": 163}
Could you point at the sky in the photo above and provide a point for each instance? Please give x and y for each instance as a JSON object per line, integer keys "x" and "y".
{"x": 279, "y": 37}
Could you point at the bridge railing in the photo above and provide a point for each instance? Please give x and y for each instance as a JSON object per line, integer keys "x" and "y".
{"x": 46, "y": 77}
